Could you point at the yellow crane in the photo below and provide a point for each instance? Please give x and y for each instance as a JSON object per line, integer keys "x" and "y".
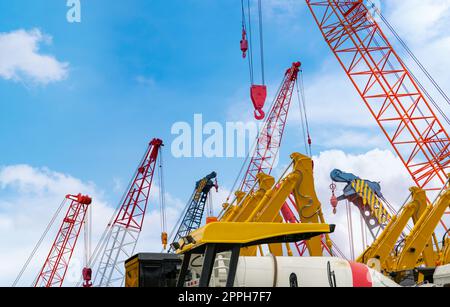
{"x": 418, "y": 250}
{"x": 264, "y": 205}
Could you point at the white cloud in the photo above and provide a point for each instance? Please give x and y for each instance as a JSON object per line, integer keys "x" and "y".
{"x": 351, "y": 139}
{"x": 118, "y": 185}
{"x": 21, "y": 60}
{"x": 29, "y": 198}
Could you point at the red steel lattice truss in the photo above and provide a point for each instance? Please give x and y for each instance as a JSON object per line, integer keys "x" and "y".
{"x": 388, "y": 89}
{"x": 55, "y": 267}
{"x": 269, "y": 139}
{"x": 124, "y": 231}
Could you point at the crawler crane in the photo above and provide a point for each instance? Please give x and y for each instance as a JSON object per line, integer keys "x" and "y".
{"x": 445, "y": 254}
{"x": 367, "y": 197}
{"x": 264, "y": 204}
{"x": 262, "y": 160}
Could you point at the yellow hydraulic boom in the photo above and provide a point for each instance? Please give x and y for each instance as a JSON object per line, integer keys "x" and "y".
{"x": 308, "y": 205}
{"x": 246, "y": 204}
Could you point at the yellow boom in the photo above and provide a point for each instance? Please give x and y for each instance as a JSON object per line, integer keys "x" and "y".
{"x": 420, "y": 237}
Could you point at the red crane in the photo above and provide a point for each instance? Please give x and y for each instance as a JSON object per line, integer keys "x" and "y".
{"x": 121, "y": 235}
{"x": 395, "y": 98}
{"x": 55, "y": 267}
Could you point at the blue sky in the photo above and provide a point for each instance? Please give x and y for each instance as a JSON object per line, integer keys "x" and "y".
{"x": 133, "y": 71}
{"x": 130, "y": 70}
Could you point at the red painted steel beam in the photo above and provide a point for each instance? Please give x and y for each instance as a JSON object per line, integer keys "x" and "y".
{"x": 132, "y": 211}
{"x": 387, "y": 88}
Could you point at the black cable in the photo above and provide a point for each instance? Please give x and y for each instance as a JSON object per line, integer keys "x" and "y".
{"x": 305, "y": 112}
{"x": 397, "y": 248}
{"x": 302, "y": 118}
{"x": 162, "y": 192}
{"x": 244, "y": 23}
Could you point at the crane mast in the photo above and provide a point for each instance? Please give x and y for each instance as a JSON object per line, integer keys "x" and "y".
{"x": 55, "y": 267}
{"x": 124, "y": 232}
{"x": 388, "y": 88}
